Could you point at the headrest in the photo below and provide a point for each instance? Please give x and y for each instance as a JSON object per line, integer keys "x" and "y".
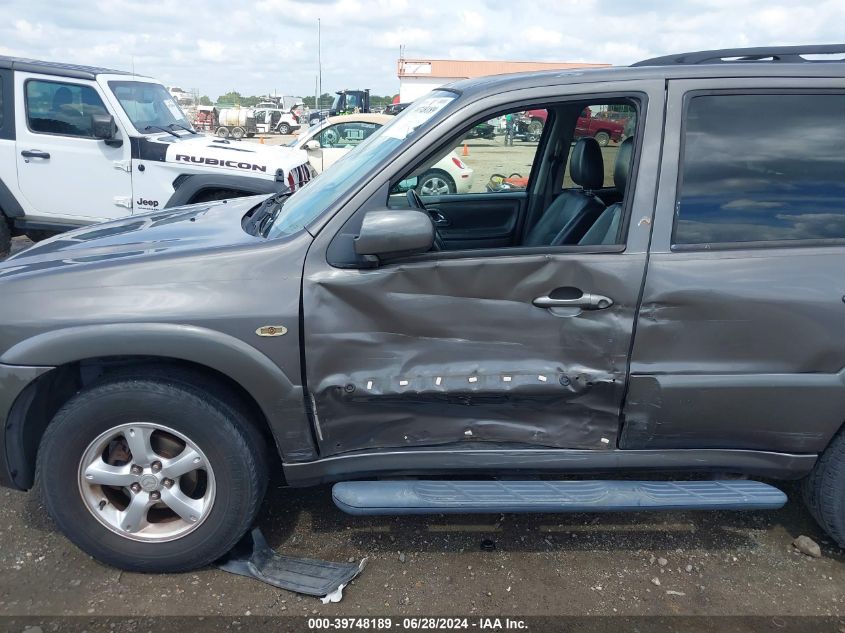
{"x": 623, "y": 164}
{"x": 586, "y": 166}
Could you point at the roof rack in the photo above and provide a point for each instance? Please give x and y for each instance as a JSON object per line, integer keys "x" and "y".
{"x": 769, "y": 54}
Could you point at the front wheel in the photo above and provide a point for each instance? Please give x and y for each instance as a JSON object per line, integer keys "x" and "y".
{"x": 149, "y": 475}
{"x": 5, "y": 237}
{"x": 435, "y": 183}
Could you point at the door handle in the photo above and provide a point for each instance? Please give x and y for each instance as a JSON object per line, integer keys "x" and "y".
{"x": 438, "y": 218}
{"x": 586, "y": 301}
{"x": 35, "y": 153}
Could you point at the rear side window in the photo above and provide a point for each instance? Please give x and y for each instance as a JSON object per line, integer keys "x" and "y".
{"x": 54, "y": 107}
{"x": 764, "y": 167}
{"x": 1, "y": 101}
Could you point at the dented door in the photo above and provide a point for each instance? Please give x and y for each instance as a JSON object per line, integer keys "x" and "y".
{"x": 455, "y": 351}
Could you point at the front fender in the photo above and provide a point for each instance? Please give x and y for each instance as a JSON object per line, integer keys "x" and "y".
{"x": 189, "y": 186}
{"x": 278, "y": 397}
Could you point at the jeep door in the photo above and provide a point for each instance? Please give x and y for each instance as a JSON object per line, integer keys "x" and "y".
{"x": 479, "y": 344}
{"x": 63, "y": 171}
{"x": 739, "y": 340}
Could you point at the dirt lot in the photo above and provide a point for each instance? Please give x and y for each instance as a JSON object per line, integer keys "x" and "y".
{"x": 610, "y": 564}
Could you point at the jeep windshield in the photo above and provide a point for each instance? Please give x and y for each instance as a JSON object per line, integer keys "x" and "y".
{"x": 149, "y": 106}
{"x": 303, "y": 207}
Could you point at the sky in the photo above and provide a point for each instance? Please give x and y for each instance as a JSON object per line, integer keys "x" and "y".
{"x": 267, "y": 46}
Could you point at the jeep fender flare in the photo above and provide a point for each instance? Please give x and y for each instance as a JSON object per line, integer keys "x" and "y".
{"x": 9, "y": 205}
{"x": 187, "y": 186}
{"x": 278, "y": 398}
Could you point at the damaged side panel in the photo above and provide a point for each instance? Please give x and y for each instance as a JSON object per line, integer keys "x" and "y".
{"x": 734, "y": 349}
{"x": 453, "y": 350}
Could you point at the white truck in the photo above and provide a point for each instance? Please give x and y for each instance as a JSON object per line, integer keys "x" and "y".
{"x": 80, "y": 145}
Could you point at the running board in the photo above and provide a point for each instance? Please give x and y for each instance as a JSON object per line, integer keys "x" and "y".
{"x": 465, "y": 497}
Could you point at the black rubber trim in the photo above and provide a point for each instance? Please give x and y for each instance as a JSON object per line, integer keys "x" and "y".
{"x": 56, "y": 68}
{"x": 142, "y": 148}
{"x": 9, "y": 205}
{"x": 195, "y": 183}
{"x": 537, "y": 460}
{"x": 45, "y": 225}
{"x": 7, "y": 106}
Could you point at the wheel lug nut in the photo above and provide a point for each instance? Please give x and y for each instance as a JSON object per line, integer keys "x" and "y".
{"x": 167, "y": 483}
{"x": 155, "y": 495}
{"x": 156, "y": 466}
{"x": 136, "y": 470}
{"x": 136, "y": 487}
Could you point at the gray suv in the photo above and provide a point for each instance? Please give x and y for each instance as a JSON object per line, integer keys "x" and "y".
{"x": 667, "y": 304}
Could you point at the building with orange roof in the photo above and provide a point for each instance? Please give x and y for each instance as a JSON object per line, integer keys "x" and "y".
{"x": 419, "y": 76}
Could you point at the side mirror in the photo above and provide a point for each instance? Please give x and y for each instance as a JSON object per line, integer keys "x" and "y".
{"x": 312, "y": 145}
{"x": 393, "y": 233}
{"x": 103, "y": 126}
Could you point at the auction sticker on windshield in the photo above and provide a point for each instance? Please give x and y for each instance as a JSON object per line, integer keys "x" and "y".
{"x": 415, "y": 116}
{"x": 174, "y": 109}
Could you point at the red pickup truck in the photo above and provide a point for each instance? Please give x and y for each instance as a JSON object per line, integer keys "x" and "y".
{"x": 601, "y": 129}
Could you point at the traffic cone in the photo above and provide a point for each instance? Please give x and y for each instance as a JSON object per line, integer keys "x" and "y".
{"x": 466, "y": 150}
{"x": 261, "y": 140}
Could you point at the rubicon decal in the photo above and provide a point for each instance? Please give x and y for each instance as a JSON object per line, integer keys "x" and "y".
{"x": 217, "y": 162}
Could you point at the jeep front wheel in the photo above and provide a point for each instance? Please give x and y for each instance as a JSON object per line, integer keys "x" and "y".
{"x": 5, "y": 237}
{"x": 148, "y": 475}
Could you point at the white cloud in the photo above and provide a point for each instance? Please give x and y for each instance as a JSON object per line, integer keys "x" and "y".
{"x": 211, "y": 51}
{"x": 265, "y": 45}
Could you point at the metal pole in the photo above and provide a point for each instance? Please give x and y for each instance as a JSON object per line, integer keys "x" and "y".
{"x": 319, "y": 67}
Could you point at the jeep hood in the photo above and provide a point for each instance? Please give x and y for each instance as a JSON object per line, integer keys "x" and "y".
{"x": 196, "y": 227}
{"x": 210, "y": 151}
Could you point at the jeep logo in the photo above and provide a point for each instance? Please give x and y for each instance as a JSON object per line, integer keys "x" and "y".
{"x": 140, "y": 202}
{"x": 217, "y": 162}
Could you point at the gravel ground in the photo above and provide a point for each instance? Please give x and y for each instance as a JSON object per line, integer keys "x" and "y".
{"x": 605, "y": 564}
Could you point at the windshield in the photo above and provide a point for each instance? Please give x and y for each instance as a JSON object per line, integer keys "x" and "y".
{"x": 148, "y": 105}
{"x": 308, "y": 203}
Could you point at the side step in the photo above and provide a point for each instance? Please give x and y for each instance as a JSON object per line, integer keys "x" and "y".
{"x": 465, "y": 497}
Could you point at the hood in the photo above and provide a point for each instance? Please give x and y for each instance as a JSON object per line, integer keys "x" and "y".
{"x": 210, "y": 151}
{"x": 180, "y": 229}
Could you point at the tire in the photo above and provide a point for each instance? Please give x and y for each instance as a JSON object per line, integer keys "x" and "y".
{"x": 435, "y": 183}
{"x": 603, "y": 138}
{"x": 284, "y": 128}
{"x": 5, "y": 237}
{"x": 824, "y": 490}
{"x": 238, "y": 133}
{"x": 535, "y": 131}
{"x": 232, "y": 478}
{"x": 223, "y": 131}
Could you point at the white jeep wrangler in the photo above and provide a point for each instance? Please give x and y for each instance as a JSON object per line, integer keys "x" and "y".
{"x": 80, "y": 145}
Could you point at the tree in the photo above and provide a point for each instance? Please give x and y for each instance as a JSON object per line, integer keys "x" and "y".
{"x": 205, "y": 101}
{"x": 232, "y": 97}
{"x": 325, "y": 101}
